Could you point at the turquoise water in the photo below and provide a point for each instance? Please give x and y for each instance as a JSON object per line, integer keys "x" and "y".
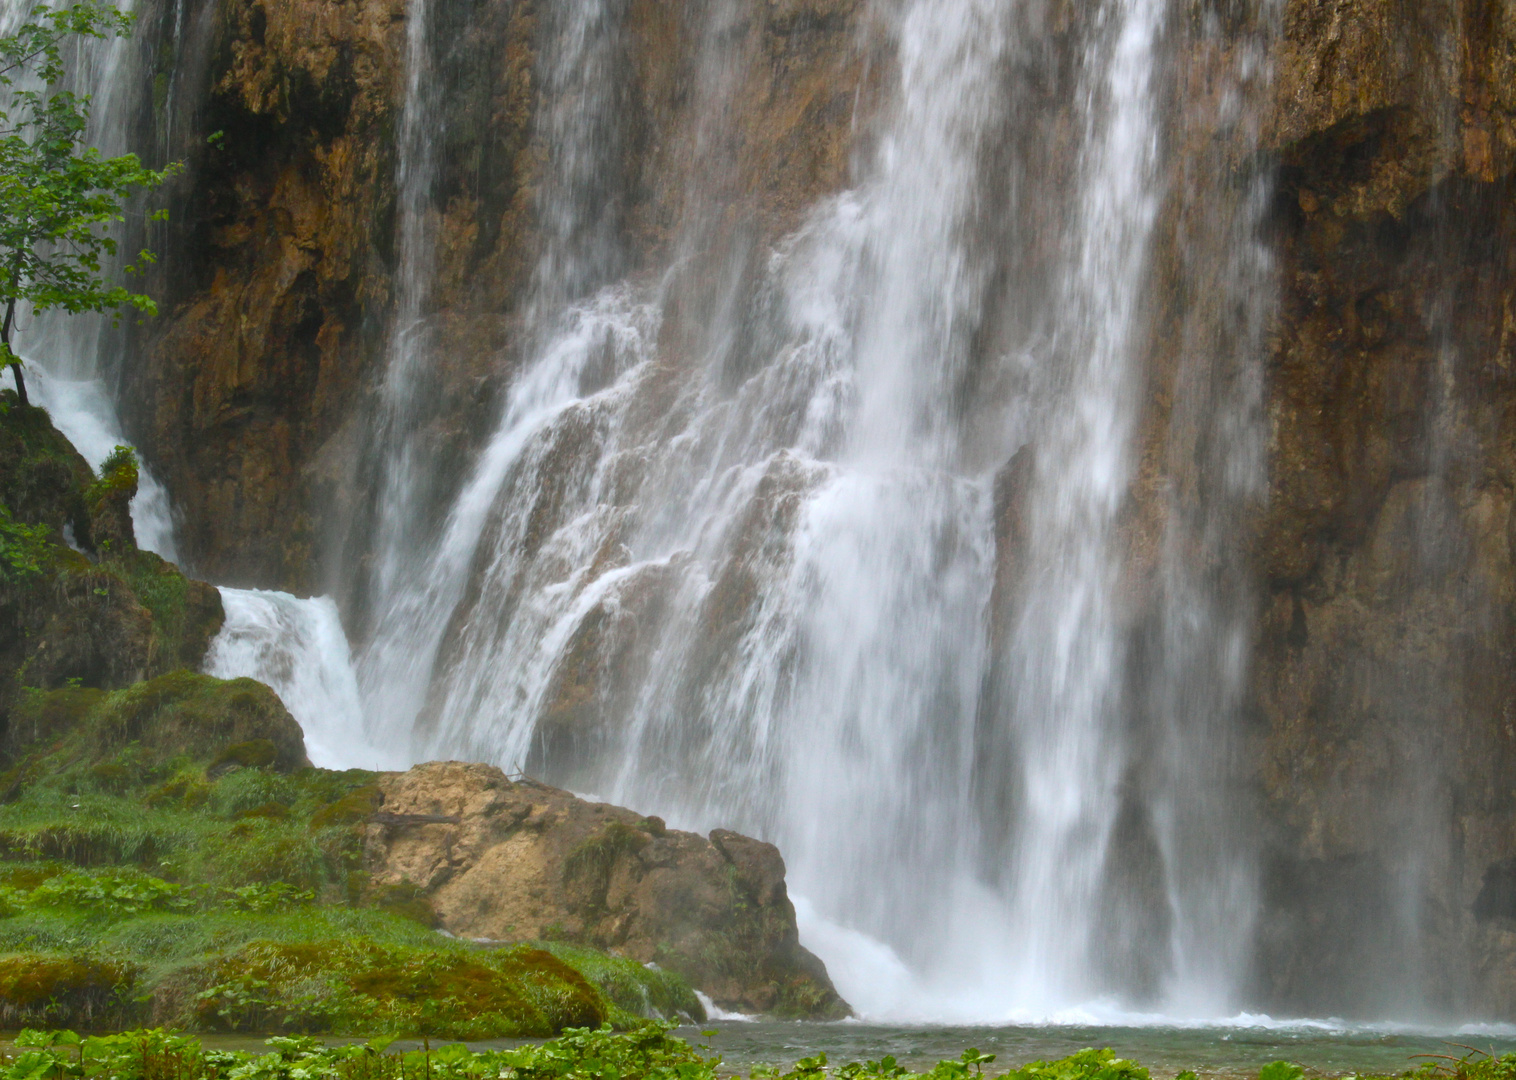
{"x": 1324, "y": 1049}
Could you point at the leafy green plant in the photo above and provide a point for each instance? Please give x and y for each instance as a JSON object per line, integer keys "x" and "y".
{"x": 119, "y": 470}
{"x": 1281, "y": 1070}
{"x": 23, "y": 548}
{"x": 59, "y": 198}
{"x": 111, "y": 894}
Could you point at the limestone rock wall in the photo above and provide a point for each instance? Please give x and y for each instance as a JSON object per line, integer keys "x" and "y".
{"x": 253, "y": 393}
{"x": 1384, "y": 680}
{"x": 1380, "y": 735}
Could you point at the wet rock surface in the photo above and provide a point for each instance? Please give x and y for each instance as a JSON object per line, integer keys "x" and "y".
{"x": 1384, "y": 674}
{"x": 97, "y": 612}
{"x": 520, "y": 861}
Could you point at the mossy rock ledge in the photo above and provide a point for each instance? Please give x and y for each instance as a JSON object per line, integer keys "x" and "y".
{"x": 498, "y": 859}
{"x": 88, "y": 607}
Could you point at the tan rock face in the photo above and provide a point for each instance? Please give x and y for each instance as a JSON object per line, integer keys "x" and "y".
{"x": 1384, "y": 675}
{"x": 520, "y": 861}
{"x": 277, "y": 269}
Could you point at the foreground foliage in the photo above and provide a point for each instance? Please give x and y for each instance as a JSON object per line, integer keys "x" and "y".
{"x": 647, "y": 1052}
{"x": 216, "y": 885}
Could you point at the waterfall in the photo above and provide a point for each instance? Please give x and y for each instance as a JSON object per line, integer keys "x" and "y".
{"x": 780, "y": 601}
{"x": 416, "y": 587}
{"x": 298, "y": 647}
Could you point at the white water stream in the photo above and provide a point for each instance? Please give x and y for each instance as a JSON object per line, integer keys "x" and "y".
{"x": 766, "y": 605}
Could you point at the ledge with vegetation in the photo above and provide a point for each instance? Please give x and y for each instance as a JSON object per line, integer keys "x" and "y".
{"x": 167, "y": 854}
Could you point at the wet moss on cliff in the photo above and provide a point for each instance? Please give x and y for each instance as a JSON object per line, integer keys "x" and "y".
{"x": 81, "y": 605}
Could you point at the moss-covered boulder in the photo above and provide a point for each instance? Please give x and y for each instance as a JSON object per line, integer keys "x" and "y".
{"x": 42, "y": 477}
{"x": 218, "y": 724}
{"x": 360, "y": 987}
{"x": 38, "y": 989}
{"x": 518, "y": 860}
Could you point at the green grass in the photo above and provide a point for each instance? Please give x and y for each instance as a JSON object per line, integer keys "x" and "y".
{"x": 226, "y": 893}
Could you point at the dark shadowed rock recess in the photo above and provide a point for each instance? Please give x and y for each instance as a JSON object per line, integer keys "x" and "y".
{"x": 518, "y": 860}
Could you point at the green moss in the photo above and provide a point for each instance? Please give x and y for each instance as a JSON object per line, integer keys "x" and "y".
{"x": 42, "y": 476}
{"x": 187, "y": 790}
{"x": 344, "y": 986}
{"x": 255, "y": 753}
{"x": 589, "y": 865}
{"x": 78, "y": 991}
{"x": 636, "y": 989}
{"x": 405, "y": 900}
{"x": 354, "y": 807}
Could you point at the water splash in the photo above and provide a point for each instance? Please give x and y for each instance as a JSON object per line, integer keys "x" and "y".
{"x": 297, "y": 646}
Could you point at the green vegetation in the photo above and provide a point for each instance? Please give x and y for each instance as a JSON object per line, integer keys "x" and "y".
{"x": 170, "y": 857}
{"x": 24, "y": 549}
{"x": 59, "y": 198}
{"x": 648, "y": 1052}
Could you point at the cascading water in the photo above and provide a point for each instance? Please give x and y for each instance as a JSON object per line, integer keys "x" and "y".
{"x": 415, "y": 588}
{"x": 770, "y": 605}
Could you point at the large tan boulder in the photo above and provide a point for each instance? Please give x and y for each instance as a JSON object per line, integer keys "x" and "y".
{"x": 518, "y": 860}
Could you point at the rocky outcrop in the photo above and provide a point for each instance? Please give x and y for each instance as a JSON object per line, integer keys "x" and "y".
{"x": 518, "y": 860}
{"x": 79, "y": 602}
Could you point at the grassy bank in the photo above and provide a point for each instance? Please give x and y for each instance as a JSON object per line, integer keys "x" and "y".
{"x": 648, "y": 1051}
{"x": 166, "y": 858}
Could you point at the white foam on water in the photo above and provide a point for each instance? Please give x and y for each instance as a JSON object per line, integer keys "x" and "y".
{"x": 716, "y": 1012}
{"x": 297, "y": 646}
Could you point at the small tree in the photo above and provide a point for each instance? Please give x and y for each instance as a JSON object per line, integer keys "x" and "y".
{"x": 58, "y": 197}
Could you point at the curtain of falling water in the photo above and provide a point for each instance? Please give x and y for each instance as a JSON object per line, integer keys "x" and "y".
{"x": 420, "y": 574}
{"x": 1066, "y": 653}
{"x": 767, "y": 606}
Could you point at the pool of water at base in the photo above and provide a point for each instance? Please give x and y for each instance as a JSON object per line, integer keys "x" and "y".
{"x": 1210, "y": 1051}
{"x": 1231, "y": 1051}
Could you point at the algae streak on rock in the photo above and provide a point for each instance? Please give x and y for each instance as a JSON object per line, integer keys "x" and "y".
{"x": 518, "y": 860}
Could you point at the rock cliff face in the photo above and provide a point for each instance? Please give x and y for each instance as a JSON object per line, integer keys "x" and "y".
{"x": 522, "y": 861}
{"x": 254, "y": 394}
{"x": 1384, "y": 678}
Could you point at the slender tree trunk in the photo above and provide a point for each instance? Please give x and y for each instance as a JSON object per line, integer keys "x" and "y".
{"x": 5, "y": 336}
